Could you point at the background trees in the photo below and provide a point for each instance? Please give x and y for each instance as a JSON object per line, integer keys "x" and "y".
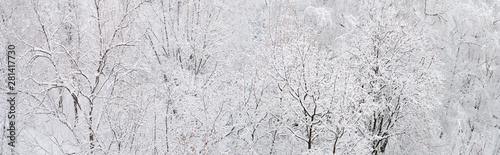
{"x": 255, "y": 77}
{"x": 469, "y": 110}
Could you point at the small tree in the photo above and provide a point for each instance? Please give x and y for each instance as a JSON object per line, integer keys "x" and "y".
{"x": 393, "y": 66}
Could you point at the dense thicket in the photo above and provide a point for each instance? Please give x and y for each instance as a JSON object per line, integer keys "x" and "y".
{"x": 254, "y": 77}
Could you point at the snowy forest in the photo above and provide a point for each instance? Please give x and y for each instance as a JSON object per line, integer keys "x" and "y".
{"x": 175, "y": 77}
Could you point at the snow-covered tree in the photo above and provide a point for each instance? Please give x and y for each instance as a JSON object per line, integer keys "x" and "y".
{"x": 253, "y": 77}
